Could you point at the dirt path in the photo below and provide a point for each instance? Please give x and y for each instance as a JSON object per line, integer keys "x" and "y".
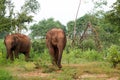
{"x": 102, "y": 76}
{"x": 36, "y": 73}
{"x": 83, "y": 76}
{"x": 39, "y": 73}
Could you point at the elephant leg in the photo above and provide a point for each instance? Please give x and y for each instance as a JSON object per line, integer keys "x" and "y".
{"x": 59, "y": 57}
{"x": 11, "y": 56}
{"x": 56, "y": 54}
{"x": 59, "y": 61}
{"x": 26, "y": 56}
{"x": 52, "y": 53}
{"x": 8, "y": 54}
{"x": 16, "y": 54}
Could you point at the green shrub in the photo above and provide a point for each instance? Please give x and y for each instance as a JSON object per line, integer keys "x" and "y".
{"x": 38, "y": 46}
{"x": 76, "y": 55}
{"x": 72, "y": 56}
{"x": 88, "y": 44}
{"x": 5, "y": 75}
{"x": 41, "y": 60}
{"x": 3, "y": 60}
{"x": 92, "y": 55}
{"x": 113, "y": 55}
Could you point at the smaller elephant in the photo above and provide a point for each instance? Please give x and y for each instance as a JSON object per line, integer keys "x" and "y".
{"x": 17, "y": 43}
{"x": 56, "y": 42}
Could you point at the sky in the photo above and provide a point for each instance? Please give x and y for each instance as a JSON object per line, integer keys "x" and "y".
{"x": 61, "y": 10}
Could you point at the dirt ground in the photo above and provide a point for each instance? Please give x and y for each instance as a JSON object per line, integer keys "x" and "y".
{"x": 84, "y": 76}
{"x": 38, "y": 73}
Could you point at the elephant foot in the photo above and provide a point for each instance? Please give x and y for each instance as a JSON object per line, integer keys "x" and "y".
{"x": 59, "y": 66}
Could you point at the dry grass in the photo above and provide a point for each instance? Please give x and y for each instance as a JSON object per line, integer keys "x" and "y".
{"x": 82, "y": 71}
{"x": 95, "y": 71}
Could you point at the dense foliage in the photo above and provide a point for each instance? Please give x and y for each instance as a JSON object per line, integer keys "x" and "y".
{"x": 4, "y": 21}
{"x": 40, "y": 29}
{"x": 113, "y": 16}
{"x": 114, "y": 55}
{"x": 11, "y": 21}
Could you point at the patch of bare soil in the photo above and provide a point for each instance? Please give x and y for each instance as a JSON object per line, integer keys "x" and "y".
{"x": 101, "y": 76}
{"x": 36, "y": 73}
{"x": 113, "y": 78}
{"x": 93, "y": 75}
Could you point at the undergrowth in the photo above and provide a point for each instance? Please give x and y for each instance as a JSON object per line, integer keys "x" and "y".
{"x": 75, "y": 62}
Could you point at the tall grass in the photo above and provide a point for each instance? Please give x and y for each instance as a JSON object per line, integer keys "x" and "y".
{"x": 80, "y": 62}
{"x": 41, "y": 56}
{"x": 76, "y": 55}
{"x": 5, "y": 75}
